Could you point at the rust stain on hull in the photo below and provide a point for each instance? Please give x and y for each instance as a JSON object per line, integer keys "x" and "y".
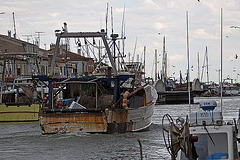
{"x": 73, "y": 122}
{"x": 102, "y": 121}
{"x": 117, "y": 120}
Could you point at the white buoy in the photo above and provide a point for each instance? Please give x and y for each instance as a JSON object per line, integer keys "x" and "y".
{"x": 208, "y": 105}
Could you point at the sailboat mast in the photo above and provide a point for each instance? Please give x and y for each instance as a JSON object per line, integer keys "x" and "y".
{"x": 188, "y": 73}
{"x": 144, "y": 62}
{"x": 164, "y": 63}
{"x": 129, "y": 58}
{"x": 207, "y": 66}
{"x": 221, "y": 55}
{"x": 155, "y": 65}
{"x": 203, "y": 66}
{"x": 198, "y": 66}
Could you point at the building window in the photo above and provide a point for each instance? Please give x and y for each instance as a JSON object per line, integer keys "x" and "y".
{"x": 82, "y": 68}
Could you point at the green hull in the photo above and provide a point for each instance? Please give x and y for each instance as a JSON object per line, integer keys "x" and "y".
{"x": 21, "y": 113}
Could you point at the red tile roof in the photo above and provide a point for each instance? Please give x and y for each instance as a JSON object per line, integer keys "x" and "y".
{"x": 71, "y": 55}
{"x": 23, "y": 42}
{"x": 13, "y": 39}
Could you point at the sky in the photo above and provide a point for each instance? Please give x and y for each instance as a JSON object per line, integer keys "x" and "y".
{"x": 146, "y": 23}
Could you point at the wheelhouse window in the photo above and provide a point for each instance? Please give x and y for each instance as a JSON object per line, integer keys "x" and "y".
{"x": 210, "y": 146}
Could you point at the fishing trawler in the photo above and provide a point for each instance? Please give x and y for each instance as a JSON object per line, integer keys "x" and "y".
{"x": 116, "y": 102}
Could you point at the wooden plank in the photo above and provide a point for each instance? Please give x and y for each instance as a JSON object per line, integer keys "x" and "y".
{"x": 73, "y": 122}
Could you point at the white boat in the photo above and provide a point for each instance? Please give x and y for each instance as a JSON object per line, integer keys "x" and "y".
{"x": 204, "y": 136}
{"x": 230, "y": 90}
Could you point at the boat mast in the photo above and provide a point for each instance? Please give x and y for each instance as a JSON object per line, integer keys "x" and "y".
{"x": 144, "y": 62}
{"x": 164, "y": 63}
{"x": 221, "y": 55}
{"x": 134, "y": 52}
{"x": 188, "y": 73}
{"x": 207, "y": 66}
{"x": 123, "y": 32}
{"x": 155, "y": 65}
{"x": 198, "y": 67}
{"x": 205, "y": 60}
{"x": 107, "y": 18}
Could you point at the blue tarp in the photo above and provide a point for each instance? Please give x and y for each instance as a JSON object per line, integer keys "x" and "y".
{"x": 66, "y": 102}
{"x": 217, "y": 156}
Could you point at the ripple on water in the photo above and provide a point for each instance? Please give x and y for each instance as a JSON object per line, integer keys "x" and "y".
{"x": 24, "y": 140}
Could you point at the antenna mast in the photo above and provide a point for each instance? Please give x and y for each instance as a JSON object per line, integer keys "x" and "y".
{"x": 28, "y": 35}
{"x": 38, "y": 36}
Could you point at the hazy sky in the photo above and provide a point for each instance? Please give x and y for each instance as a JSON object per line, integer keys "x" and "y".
{"x": 144, "y": 19}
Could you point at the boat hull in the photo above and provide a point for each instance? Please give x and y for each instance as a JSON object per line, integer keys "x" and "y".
{"x": 72, "y": 121}
{"x": 96, "y": 121}
{"x": 19, "y": 113}
{"x": 141, "y": 118}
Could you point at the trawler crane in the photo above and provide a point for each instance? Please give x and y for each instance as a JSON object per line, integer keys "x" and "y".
{"x": 82, "y": 35}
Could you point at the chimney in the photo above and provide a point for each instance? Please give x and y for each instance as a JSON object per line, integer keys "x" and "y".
{"x": 52, "y": 46}
{"x": 9, "y": 34}
{"x": 79, "y": 51}
{"x": 65, "y": 29}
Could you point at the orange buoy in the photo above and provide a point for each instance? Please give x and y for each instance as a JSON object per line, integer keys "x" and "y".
{"x": 124, "y": 100}
{"x": 124, "y": 104}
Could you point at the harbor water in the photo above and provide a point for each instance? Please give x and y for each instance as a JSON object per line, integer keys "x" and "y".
{"x": 23, "y": 141}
